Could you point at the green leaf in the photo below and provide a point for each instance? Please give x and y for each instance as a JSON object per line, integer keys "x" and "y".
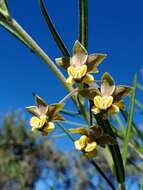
{"x": 83, "y": 22}
{"x": 114, "y": 149}
{"x": 52, "y": 29}
{"x": 14, "y": 33}
{"x": 142, "y": 184}
{"x": 129, "y": 122}
{"x": 4, "y": 9}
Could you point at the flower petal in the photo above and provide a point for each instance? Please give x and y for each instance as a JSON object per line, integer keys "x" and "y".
{"x": 95, "y": 110}
{"x": 79, "y": 130}
{"x": 108, "y": 85}
{"x": 35, "y": 122}
{"x": 72, "y": 71}
{"x": 94, "y": 60}
{"x": 58, "y": 117}
{"x": 106, "y": 102}
{"x": 82, "y": 71}
{"x": 80, "y": 55}
{"x": 121, "y": 91}
{"x": 39, "y": 101}
{"x": 81, "y": 143}
{"x": 114, "y": 109}
{"x": 97, "y": 101}
{"x": 90, "y": 147}
{"x": 120, "y": 104}
{"x": 48, "y": 128}
{"x": 89, "y": 93}
{"x": 33, "y": 110}
{"x": 88, "y": 79}
{"x": 42, "y": 120}
{"x": 70, "y": 80}
{"x": 78, "y": 48}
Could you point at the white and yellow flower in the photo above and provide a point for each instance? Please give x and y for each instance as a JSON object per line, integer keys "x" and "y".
{"x": 44, "y": 115}
{"x": 80, "y": 65}
{"x": 108, "y": 98}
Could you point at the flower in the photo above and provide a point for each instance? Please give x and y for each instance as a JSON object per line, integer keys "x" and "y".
{"x": 108, "y": 98}
{"x": 80, "y": 65}
{"x": 84, "y": 143}
{"x": 44, "y": 115}
{"x": 90, "y": 138}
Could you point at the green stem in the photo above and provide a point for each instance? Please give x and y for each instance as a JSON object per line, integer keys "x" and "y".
{"x": 122, "y": 187}
{"x": 83, "y": 22}
{"x": 53, "y": 31}
{"x": 35, "y": 47}
{"x": 68, "y": 96}
{"x": 129, "y": 122}
{"x": 114, "y": 149}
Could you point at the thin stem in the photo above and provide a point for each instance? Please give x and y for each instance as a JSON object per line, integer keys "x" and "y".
{"x": 35, "y": 47}
{"x": 129, "y": 122}
{"x": 102, "y": 174}
{"x": 114, "y": 149}
{"x": 70, "y": 113}
{"x": 65, "y": 131}
{"x": 90, "y": 111}
{"x": 68, "y": 95}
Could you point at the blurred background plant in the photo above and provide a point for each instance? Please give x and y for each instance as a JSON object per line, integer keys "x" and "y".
{"x": 27, "y": 160}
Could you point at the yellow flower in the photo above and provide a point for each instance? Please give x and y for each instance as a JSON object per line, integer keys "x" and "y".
{"x": 80, "y": 65}
{"x": 41, "y": 124}
{"x": 44, "y": 115}
{"x": 108, "y": 98}
{"x": 85, "y": 144}
{"x": 79, "y": 74}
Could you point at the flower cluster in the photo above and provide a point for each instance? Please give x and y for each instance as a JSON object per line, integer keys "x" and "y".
{"x": 106, "y": 99}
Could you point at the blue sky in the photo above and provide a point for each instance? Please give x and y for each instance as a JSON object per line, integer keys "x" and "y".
{"x": 115, "y": 28}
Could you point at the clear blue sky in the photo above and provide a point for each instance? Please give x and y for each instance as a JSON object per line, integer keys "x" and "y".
{"x": 115, "y": 28}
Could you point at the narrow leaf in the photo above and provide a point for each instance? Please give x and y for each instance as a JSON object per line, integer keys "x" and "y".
{"x": 129, "y": 123}
{"x": 52, "y": 29}
{"x": 83, "y": 22}
{"x": 4, "y": 9}
{"x": 114, "y": 149}
{"x": 14, "y": 33}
